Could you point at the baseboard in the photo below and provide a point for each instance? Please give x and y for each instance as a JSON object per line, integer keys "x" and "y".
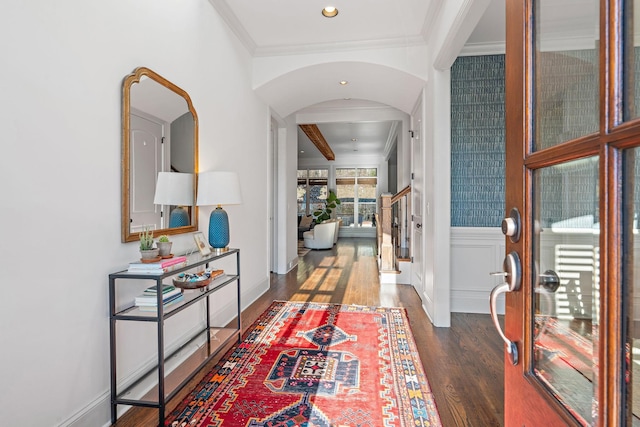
{"x": 397, "y": 277}
{"x": 255, "y": 293}
{"x": 424, "y": 308}
{"x": 474, "y": 302}
{"x": 93, "y": 414}
{"x": 99, "y": 409}
{"x": 293, "y": 263}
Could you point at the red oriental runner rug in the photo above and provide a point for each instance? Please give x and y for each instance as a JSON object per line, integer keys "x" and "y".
{"x": 313, "y": 364}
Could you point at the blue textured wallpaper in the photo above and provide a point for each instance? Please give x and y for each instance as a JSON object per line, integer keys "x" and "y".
{"x": 477, "y": 141}
{"x": 567, "y": 109}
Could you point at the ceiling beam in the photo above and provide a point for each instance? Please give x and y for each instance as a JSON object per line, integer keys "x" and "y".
{"x": 314, "y": 134}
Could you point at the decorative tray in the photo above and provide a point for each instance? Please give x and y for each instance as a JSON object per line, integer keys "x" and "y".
{"x": 196, "y": 280}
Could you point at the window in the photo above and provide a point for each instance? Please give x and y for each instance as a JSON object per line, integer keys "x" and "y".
{"x": 357, "y": 190}
{"x": 312, "y": 190}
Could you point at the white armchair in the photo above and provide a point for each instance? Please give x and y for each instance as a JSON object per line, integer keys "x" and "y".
{"x": 337, "y": 223}
{"x": 321, "y": 237}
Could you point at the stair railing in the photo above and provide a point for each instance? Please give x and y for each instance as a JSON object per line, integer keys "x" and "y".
{"x": 392, "y": 229}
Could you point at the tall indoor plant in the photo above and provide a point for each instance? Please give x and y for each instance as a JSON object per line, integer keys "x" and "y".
{"x": 330, "y": 203}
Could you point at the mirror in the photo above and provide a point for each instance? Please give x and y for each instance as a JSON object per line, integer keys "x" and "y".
{"x": 159, "y": 134}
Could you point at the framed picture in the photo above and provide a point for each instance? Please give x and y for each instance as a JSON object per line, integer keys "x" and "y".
{"x": 203, "y": 247}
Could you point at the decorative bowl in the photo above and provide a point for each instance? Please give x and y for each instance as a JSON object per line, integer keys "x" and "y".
{"x": 196, "y": 280}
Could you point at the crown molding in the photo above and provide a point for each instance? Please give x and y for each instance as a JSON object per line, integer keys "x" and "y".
{"x": 459, "y": 32}
{"x": 433, "y": 13}
{"x": 494, "y": 48}
{"x": 349, "y": 114}
{"x": 391, "y": 139}
{"x": 399, "y": 42}
{"x": 435, "y": 8}
{"x": 234, "y": 24}
{"x": 347, "y": 106}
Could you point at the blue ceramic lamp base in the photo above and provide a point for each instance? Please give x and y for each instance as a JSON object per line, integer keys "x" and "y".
{"x": 178, "y": 218}
{"x": 218, "y": 229}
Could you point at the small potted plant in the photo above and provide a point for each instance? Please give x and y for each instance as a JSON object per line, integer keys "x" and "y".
{"x": 164, "y": 245}
{"x": 147, "y": 251}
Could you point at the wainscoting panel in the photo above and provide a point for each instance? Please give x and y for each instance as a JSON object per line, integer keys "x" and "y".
{"x": 475, "y": 252}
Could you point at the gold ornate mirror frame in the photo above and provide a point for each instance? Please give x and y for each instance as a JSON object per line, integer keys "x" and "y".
{"x": 163, "y": 90}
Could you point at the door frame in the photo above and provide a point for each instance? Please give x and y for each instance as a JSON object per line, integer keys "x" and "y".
{"x": 272, "y": 197}
{"x": 417, "y": 205}
{"x": 526, "y": 400}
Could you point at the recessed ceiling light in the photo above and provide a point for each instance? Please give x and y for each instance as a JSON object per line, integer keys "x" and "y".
{"x": 329, "y": 12}
{"x": 301, "y": 151}
{"x": 347, "y": 99}
{"x": 354, "y": 139}
{"x": 344, "y": 82}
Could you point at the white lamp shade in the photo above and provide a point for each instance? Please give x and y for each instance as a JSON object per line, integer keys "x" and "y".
{"x": 218, "y": 188}
{"x": 173, "y": 188}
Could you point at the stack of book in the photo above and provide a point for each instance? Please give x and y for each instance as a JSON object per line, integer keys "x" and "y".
{"x": 148, "y": 301}
{"x": 157, "y": 268}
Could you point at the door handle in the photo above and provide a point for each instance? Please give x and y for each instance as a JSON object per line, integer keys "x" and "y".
{"x": 549, "y": 280}
{"x": 418, "y": 225}
{"x": 512, "y": 278}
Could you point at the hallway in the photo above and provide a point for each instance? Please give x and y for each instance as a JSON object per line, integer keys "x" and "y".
{"x": 463, "y": 363}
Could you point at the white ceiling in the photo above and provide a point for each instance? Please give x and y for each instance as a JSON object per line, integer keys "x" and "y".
{"x": 294, "y": 26}
{"x": 370, "y": 138}
{"x": 295, "y": 22}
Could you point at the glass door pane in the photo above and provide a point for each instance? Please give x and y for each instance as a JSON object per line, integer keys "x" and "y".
{"x": 631, "y": 93}
{"x": 367, "y": 204}
{"x": 631, "y": 197}
{"x": 312, "y": 190}
{"x": 566, "y": 286}
{"x": 565, "y": 71}
{"x": 367, "y": 184}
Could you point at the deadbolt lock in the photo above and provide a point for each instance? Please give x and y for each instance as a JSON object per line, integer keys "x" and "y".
{"x": 512, "y": 225}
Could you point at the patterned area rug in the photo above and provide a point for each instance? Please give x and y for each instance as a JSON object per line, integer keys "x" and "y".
{"x": 312, "y": 364}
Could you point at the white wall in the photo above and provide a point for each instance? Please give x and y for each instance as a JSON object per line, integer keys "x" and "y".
{"x": 287, "y": 204}
{"x": 63, "y": 65}
{"x": 436, "y": 206}
{"x": 455, "y": 21}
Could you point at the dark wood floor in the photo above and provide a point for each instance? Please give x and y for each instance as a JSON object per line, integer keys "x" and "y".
{"x": 463, "y": 363}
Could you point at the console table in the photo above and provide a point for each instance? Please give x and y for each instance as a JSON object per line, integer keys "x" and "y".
{"x": 165, "y": 386}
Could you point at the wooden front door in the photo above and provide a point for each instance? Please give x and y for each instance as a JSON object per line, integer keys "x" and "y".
{"x": 572, "y": 138}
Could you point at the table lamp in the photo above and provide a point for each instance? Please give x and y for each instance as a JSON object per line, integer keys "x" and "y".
{"x": 218, "y": 188}
{"x": 174, "y": 188}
